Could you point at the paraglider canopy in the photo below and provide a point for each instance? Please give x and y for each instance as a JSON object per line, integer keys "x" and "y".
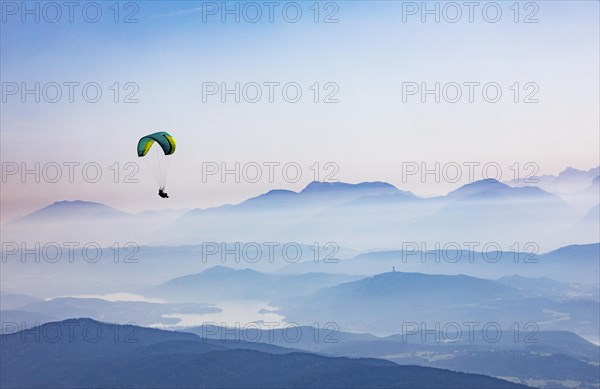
{"x": 164, "y": 139}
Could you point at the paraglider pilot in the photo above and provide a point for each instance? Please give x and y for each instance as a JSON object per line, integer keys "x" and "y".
{"x": 162, "y": 193}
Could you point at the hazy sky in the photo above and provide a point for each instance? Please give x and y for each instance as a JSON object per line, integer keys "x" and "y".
{"x": 366, "y": 56}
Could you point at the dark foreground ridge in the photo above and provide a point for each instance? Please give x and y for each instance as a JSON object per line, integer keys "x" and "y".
{"x": 83, "y": 353}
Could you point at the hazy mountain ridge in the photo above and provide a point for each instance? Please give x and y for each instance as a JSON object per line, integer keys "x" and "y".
{"x": 382, "y": 303}
{"x": 361, "y": 215}
{"x": 222, "y": 283}
{"x": 153, "y": 360}
{"x": 481, "y": 211}
{"x": 568, "y": 180}
{"x": 140, "y": 312}
{"x": 570, "y": 264}
{"x": 575, "y": 264}
{"x": 545, "y": 355}
{"x": 332, "y": 340}
{"x": 75, "y": 210}
{"x": 553, "y": 290}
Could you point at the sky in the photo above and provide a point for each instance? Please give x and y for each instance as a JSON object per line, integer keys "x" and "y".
{"x": 360, "y": 62}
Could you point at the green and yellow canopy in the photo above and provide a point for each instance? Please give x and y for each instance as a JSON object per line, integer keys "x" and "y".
{"x": 164, "y": 139}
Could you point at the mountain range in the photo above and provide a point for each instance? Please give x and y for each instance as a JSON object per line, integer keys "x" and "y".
{"x": 570, "y": 180}
{"x": 384, "y": 303}
{"x": 569, "y": 264}
{"x": 222, "y": 284}
{"x": 543, "y": 359}
{"x": 361, "y": 216}
{"x": 82, "y": 353}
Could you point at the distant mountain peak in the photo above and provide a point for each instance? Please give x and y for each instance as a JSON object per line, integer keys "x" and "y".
{"x": 77, "y": 203}
{"x": 224, "y": 270}
{"x": 480, "y": 186}
{"x": 319, "y": 193}
{"x": 320, "y": 186}
{"x": 72, "y": 209}
{"x": 487, "y": 182}
{"x": 491, "y": 188}
{"x": 219, "y": 269}
{"x": 573, "y": 173}
{"x": 274, "y": 192}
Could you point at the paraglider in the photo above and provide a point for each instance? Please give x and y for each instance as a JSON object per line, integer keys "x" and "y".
{"x": 162, "y": 193}
{"x": 162, "y": 145}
